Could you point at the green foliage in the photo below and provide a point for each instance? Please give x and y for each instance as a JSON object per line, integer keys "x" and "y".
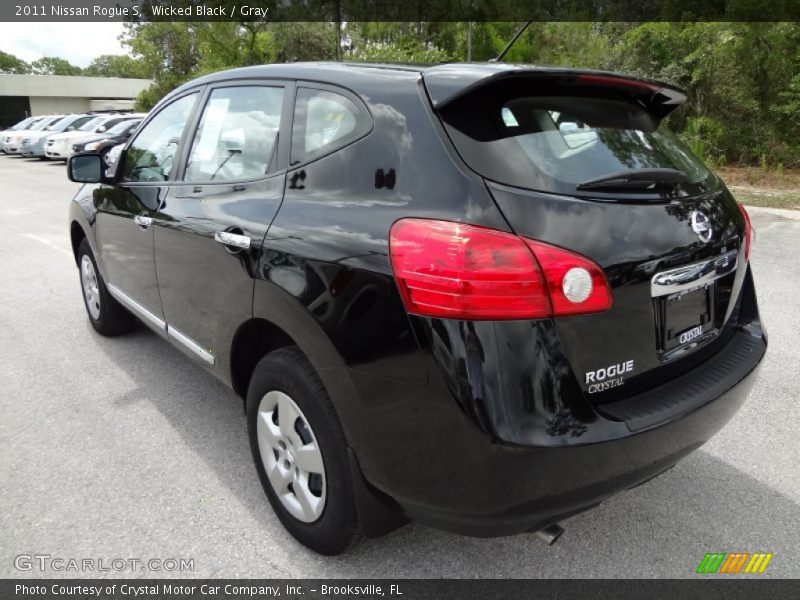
{"x": 50, "y": 65}
{"x": 11, "y": 64}
{"x": 742, "y": 79}
{"x": 112, "y": 65}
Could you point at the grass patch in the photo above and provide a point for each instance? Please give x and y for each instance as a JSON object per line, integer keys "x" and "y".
{"x": 769, "y": 188}
{"x": 769, "y": 200}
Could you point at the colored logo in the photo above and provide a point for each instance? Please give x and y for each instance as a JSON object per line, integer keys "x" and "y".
{"x": 734, "y": 562}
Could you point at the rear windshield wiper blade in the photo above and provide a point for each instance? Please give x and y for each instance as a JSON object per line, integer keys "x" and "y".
{"x": 638, "y": 180}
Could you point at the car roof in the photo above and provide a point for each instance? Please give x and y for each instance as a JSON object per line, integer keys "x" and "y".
{"x": 444, "y": 82}
{"x": 324, "y": 72}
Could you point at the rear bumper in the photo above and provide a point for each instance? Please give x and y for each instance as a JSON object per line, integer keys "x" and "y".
{"x": 440, "y": 457}
{"x": 551, "y": 484}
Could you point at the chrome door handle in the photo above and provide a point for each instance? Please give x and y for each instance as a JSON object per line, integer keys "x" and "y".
{"x": 235, "y": 240}
{"x": 142, "y": 221}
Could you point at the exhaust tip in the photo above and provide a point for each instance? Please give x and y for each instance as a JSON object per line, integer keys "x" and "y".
{"x": 550, "y": 534}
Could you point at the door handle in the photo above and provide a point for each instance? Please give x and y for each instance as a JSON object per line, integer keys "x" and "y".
{"x": 232, "y": 241}
{"x": 142, "y": 221}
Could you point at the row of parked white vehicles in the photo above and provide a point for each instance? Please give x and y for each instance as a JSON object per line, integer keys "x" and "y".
{"x": 58, "y": 137}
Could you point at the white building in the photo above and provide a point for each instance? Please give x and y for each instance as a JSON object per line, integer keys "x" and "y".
{"x": 30, "y": 95}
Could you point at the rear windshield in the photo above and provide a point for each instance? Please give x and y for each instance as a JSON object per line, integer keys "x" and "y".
{"x": 554, "y": 143}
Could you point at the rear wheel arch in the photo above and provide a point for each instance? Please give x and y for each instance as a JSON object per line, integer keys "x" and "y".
{"x": 253, "y": 340}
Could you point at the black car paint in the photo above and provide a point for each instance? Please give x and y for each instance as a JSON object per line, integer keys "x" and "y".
{"x": 482, "y": 428}
{"x": 107, "y": 141}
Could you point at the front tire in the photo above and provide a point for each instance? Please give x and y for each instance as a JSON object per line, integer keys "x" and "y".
{"x": 107, "y": 316}
{"x": 300, "y": 452}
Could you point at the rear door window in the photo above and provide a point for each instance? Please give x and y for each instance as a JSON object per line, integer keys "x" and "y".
{"x": 325, "y": 121}
{"x": 553, "y": 143}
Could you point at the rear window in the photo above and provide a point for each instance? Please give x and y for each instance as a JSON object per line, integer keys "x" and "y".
{"x": 553, "y": 143}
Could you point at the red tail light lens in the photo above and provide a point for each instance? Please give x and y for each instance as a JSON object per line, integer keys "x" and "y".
{"x": 450, "y": 270}
{"x": 561, "y": 267}
{"x": 457, "y": 271}
{"x": 748, "y": 232}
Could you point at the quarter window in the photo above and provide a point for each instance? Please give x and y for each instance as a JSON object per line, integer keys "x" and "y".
{"x": 151, "y": 155}
{"x": 323, "y": 121}
{"x": 237, "y": 135}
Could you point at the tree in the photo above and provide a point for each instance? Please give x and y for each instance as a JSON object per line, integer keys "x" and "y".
{"x": 11, "y": 64}
{"x": 51, "y": 65}
{"x": 299, "y": 41}
{"x": 169, "y": 54}
{"x": 112, "y": 65}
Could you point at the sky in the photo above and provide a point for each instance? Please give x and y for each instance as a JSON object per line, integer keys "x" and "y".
{"x": 79, "y": 43}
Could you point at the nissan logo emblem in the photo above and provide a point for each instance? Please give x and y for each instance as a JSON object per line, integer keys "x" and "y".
{"x": 701, "y": 225}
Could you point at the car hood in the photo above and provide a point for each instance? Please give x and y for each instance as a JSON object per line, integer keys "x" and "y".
{"x": 95, "y": 138}
{"x": 71, "y": 136}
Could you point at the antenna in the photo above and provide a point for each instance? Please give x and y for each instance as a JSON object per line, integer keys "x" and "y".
{"x": 511, "y": 43}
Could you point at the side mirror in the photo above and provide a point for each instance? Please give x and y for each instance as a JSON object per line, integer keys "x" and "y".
{"x": 71, "y": 128}
{"x": 85, "y": 168}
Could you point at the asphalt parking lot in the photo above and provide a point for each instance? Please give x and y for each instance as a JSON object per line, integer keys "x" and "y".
{"x": 124, "y": 448}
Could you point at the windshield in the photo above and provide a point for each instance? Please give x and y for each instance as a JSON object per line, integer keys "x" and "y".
{"x": 23, "y": 124}
{"x": 43, "y": 123}
{"x": 91, "y": 125}
{"x": 555, "y": 143}
{"x": 120, "y": 128}
{"x": 54, "y": 124}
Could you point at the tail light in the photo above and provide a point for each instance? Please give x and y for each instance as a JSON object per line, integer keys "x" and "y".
{"x": 748, "y": 232}
{"x": 457, "y": 271}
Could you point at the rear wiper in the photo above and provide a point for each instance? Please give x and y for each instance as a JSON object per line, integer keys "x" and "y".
{"x": 638, "y": 180}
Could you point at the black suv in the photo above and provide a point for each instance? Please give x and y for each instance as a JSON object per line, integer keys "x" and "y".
{"x": 484, "y": 297}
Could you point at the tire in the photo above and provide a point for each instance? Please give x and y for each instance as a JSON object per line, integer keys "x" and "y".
{"x": 320, "y": 513}
{"x": 107, "y": 316}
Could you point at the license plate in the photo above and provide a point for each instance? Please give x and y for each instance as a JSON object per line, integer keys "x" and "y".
{"x": 685, "y": 317}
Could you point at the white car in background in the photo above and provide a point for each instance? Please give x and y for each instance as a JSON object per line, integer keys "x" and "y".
{"x": 59, "y": 145}
{"x": 12, "y": 139}
{"x": 32, "y": 144}
{"x": 24, "y": 124}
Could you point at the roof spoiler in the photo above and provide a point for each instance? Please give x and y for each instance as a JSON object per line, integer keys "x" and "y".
{"x": 447, "y": 83}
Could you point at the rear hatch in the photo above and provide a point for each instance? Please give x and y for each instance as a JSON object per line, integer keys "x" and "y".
{"x": 581, "y": 160}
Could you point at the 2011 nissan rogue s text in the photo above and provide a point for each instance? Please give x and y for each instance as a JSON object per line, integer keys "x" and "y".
{"x": 484, "y": 297}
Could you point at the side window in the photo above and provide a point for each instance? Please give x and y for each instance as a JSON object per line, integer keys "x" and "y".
{"x": 151, "y": 155}
{"x": 237, "y": 135}
{"x": 323, "y": 121}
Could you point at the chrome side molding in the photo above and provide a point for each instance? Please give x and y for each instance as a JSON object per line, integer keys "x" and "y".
{"x": 693, "y": 275}
{"x": 136, "y": 308}
{"x": 159, "y": 324}
{"x": 189, "y": 343}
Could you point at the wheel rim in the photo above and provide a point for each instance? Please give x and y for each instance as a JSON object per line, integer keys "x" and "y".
{"x": 91, "y": 288}
{"x": 291, "y": 456}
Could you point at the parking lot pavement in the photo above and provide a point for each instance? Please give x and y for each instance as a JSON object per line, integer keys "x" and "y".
{"x": 124, "y": 448}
